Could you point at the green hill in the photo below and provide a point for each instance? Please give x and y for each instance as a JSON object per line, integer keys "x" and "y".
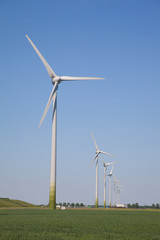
{"x": 6, "y": 202}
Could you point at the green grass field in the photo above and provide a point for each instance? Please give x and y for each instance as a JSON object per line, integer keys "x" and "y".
{"x": 43, "y": 224}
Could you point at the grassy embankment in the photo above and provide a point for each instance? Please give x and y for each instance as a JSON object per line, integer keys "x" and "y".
{"x": 10, "y": 203}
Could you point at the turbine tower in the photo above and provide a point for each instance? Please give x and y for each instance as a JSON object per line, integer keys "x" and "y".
{"x": 56, "y": 80}
{"x": 110, "y": 175}
{"x": 119, "y": 189}
{"x": 105, "y": 169}
{"x": 96, "y": 159}
{"x": 115, "y": 182}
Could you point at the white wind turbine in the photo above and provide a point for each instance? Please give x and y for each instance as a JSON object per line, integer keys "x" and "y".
{"x": 119, "y": 189}
{"x": 105, "y": 169}
{"x": 110, "y": 175}
{"x": 96, "y": 159}
{"x": 115, "y": 182}
{"x": 53, "y": 98}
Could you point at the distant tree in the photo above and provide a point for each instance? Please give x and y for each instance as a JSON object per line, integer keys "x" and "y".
{"x": 81, "y": 205}
{"x": 68, "y": 204}
{"x": 153, "y": 205}
{"x": 64, "y": 204}
{"x": 157, "y": 205}
{"x": 133, "y": 205}
{"x": 129, "y": 205}
{"x": 137, "y": 205}
{"x": 72, "y": 204}
{"x": 77, "y": 204}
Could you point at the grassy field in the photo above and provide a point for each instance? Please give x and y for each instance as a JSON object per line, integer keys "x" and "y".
{"x": 43, "y": 224}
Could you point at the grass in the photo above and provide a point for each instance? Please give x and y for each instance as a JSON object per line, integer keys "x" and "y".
{"x": 43, "y": 224}
{"x": 6, "y": 202}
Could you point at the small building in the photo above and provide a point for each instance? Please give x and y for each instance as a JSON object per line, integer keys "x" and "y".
{"x": 121, "y": 205}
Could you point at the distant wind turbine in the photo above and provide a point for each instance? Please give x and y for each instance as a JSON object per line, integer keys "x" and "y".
{"x": 56, "y": 80}
{"x": 96, "y": 159}
{"x": 115, "y": 182}
{"x": 119, "y": 189}
{"x": 110, "y": 175}
{"x": 105, "y": 169}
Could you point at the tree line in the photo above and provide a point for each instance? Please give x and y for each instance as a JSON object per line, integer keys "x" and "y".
{"x": 71, "y": 204}
{"x": 136, "y": 205}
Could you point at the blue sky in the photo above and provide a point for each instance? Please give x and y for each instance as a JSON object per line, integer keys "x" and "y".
{"x": 118, "y": 40}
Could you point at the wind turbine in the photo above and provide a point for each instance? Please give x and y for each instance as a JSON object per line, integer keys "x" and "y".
{"x": 96, "y": 159}
{"x": 56, "y": 80}
{"x": 119, "y": 189}
{"x": 105, "y": 169}
{"x": 110, "y": 175}
{"x": 115, "y": 181}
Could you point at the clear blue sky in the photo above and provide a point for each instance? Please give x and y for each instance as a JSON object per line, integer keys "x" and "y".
{"x": 118, "y": 40}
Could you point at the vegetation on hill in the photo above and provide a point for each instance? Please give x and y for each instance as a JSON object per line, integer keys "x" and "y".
{"x": 6, "y": 202}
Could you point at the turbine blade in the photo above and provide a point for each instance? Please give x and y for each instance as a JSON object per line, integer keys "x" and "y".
{"x": 48, "y": 103}
{"x": 106, "y": 153}
{"x": 107, "y": 164}
{"x": 111, "y": 170}
{"x": 121, "y": 186}
{"x": 103, "y": 162}
{"x": 67, "y": 78}
{"x": 93, "y": 161}
{"x": 94, "y": 141}
{"x": 115, "y": 179}
{"x": 49, "y": 69}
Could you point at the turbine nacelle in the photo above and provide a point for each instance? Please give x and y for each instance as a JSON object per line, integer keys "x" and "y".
{"x": 56, "y": 79}
{"x": 107, "y": 164}
{"x": 109, "y": 175}
{"x": 97, "y": 152}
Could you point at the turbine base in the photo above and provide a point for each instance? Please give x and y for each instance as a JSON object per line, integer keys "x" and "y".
{"x": 52, "y": 198}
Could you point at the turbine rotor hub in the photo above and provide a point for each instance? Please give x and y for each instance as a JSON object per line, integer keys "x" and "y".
{"x": 56, "y": 79}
